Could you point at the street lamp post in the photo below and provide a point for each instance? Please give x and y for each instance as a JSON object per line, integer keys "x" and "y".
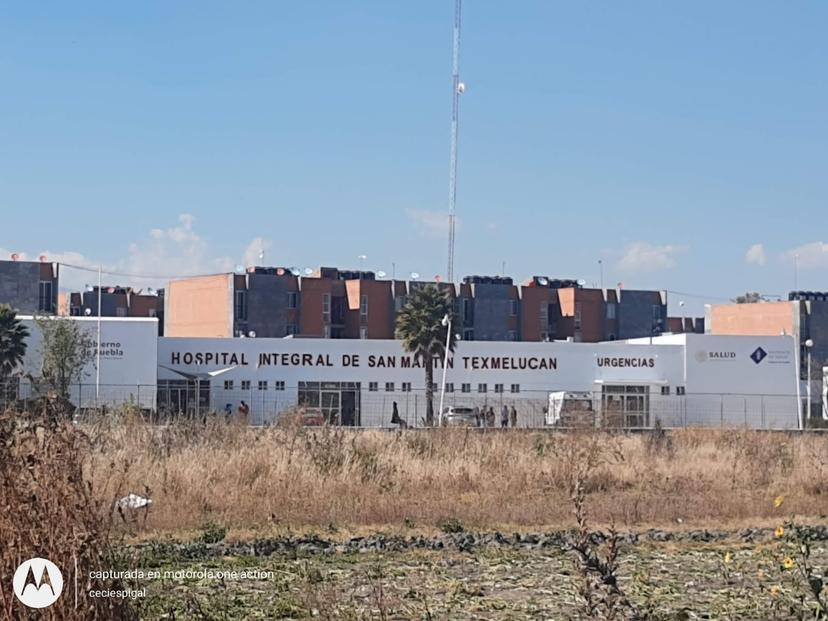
{"x": 98, "y": 348}
{"x": 446, "y": 322}
{"x": 809, "y": 344}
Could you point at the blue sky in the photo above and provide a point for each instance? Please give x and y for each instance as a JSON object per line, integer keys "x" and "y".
{"x": 684, "y": 145}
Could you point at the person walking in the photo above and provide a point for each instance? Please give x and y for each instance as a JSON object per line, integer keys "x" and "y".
{"x": 490, "y": 417}
{"x": 513, "y": 416}
{"x": 504, "y": 417}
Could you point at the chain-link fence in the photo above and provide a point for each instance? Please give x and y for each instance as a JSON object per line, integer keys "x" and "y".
{"x": 375, "y": 405}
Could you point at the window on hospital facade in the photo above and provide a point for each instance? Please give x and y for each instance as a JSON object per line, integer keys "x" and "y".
{"x": 449, "y": 387}
{"x": 228, "y": 384}
{"x": 481, "y": 387}
{"x": 389, "y": 386}
{"x": 262, "y": 384}
{"x": 515, "y": 388}
{"x": 279, "y": 385}
{"x": 680, "y": 390}
{"x": 245, "y": 385}
{"x": 498, "y": 388}
{"x": 465, "y": 388}
{"x": 665, "y": 390}
{"x": 406, "y": 386}
{"x": 373, "y": 386}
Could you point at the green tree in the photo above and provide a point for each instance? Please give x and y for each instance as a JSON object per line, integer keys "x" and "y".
{"x": 65, "y": 349}
{"x": 420, "y": 327}
{"x": 13, "y": 335}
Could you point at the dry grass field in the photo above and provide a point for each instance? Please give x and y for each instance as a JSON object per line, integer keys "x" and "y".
{"x": 217, "y": 488}
{"x": 246, "y": 478}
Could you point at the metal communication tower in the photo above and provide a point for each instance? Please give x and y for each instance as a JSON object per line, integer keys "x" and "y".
{"x": 456, "y": 89}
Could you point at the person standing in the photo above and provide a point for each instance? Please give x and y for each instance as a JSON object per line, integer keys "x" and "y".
{"x": 244, "y": 413}
{"x": 504, "y": 416}
{"x": 477, "y": 417}
{"x": 395, "y": 417}
{"x": 490, "y": 417}
{"x": 513, "y": 416}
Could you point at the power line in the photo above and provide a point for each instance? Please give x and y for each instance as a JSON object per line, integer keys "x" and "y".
{"x": 130, "y": 275}
{"x": 697, "y": 295}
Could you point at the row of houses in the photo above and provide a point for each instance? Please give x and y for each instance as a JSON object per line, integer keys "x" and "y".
{"x": 278, "y": 302}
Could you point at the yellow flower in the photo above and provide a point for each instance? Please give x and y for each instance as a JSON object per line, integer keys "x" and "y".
{"x": 774, "y": 590}
{"x": 777, "y": 502}
{"x": 788, "y": 563}
{"x": 780, "y": 530}
{"x": 728, "y": 557}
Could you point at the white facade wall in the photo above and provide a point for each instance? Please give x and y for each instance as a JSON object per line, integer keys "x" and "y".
{"x": 704, "y": 388}
{"x": 129, "y": 359}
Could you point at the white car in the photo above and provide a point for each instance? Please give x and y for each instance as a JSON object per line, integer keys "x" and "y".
{"x": 459, "y": 416}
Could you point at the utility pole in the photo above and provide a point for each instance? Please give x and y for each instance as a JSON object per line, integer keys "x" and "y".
{"x": 98, "y": 348}
{"x": 457, "y": 88}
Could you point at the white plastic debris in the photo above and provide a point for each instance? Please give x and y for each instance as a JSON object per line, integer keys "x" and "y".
{"x": 133, "y": 501}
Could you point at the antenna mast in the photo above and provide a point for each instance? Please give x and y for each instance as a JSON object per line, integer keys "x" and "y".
{"x": 457, "y": 87}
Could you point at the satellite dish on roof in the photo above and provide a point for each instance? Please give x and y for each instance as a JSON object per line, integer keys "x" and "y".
{"x": 240, "y": 269}
{"x": 42, "y": 258}
{"x": 15, "y": 256}
{"x": 543, "y": 281}
{"x": 308, "y": 271}
{"x": 581, "y": 282}
{"x": 414, "y": 275}
{"x": 89, "y": 288}
{"x": 381, "y": 274}
{"x": 280, "y": 271}
{"x": 295, "y": 271}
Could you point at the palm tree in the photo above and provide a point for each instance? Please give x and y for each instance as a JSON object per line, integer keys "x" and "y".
{"x": 13, "y": 335}
{"x": 420, "y": 327}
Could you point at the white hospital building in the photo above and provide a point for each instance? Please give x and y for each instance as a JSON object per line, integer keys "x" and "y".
{"x": 678, "y": 380}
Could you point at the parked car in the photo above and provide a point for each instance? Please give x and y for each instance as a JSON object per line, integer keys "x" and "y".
{"x": 457, "y": 416}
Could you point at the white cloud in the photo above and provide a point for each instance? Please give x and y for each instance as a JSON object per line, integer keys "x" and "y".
{"x": 646, "y": 257}
{"x": 756, "y": 254}
{"x": 812, "y": 255}
{"x": 254, "y": 250}
{"x": 433, "y": 224}
{"x": 177, "y": 251}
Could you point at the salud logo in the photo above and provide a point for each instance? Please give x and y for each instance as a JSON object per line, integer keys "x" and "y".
{"x": 758, "y": 355}
{"x": 37, "y": 583}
